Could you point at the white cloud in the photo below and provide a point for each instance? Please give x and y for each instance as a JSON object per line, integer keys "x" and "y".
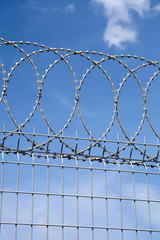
{"x": 157, "y": 8}
{"x": 70, "y": 8}
{"x": 120, "y": 27}
{"x": 35, "y": 6}
{"x": 117, "y": 34}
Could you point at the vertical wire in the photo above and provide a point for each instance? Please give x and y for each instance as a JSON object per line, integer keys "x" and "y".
{"x": 32, "y": 184}
{"x": 157, "y": 158}
{"x": 106, "y": 198}
{"x": 134, "y": 190}
{"x": 2, "y": 177}
{"x": 62, "y": 189}
{"x": 17, "y": 185}
{"x": 47, "y": 194}
{"x": 92, "y": 199}
{"x": 77, "y": 186}
{"x": 91, "y": 170}
{"x": 47, "y": 185}
{"x": 77, "y": 198}
{"x": 62, "y": 199}
{"x": 105, "y": 171}
{"x": 120, "y": 191}
{"x": 32, "y": 197}
{"x": 149, "y": 211}
{"x": 134, "y": 196}
{"x": 17, "y": 195}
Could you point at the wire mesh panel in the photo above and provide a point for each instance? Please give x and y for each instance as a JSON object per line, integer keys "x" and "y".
{"x": 69, "y": 199}
{"x": 71, "y": 179}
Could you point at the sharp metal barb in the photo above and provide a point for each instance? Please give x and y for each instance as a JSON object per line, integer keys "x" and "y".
{"x": 63, "y": 56}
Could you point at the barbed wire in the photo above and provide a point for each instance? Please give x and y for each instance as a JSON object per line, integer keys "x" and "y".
{"x": 62, "y": 55}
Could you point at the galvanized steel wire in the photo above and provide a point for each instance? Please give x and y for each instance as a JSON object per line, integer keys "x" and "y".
{"x": 61, "y": 202}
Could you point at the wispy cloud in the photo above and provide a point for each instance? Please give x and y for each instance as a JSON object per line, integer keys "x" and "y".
{"x": 35, "y": 6}
{"x": 69, "y": 8}
{"x": 67, "y": 104}
{"x": 120, "y": 25}
{"x": 64, "y": 101}
{"x": 157, "y": 8}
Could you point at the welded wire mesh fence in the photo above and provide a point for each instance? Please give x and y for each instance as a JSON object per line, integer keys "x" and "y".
{"x": 60, "y": 179}
{"x": 46, "y": 198}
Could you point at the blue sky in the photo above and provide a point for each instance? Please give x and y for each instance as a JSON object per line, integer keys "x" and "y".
{"x": 123, "y": 26}
{"x": 113, "y": 27}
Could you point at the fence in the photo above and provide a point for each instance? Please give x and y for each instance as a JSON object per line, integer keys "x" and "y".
{"x": 61, "y": 180}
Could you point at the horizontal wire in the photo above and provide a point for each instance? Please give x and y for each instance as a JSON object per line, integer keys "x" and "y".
{"x": 79, "y": 196}
{"x": 80, "y": 226}
{"x": 80, "y": 138}
{"x": 79, "y": 167}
